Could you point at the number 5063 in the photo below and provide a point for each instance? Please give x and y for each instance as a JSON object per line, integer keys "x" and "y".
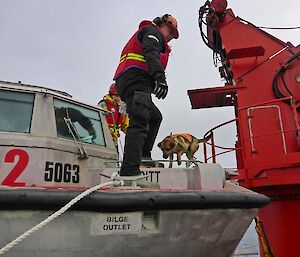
{"x": 59, "y": 172}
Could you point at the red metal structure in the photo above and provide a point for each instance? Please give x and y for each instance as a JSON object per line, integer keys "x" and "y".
{"x": 263, "y": 85}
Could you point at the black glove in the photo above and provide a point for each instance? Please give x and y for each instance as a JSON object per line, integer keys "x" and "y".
{"x": 160, "y": 89}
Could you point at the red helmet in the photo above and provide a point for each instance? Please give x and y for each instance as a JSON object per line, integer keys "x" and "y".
{"x": 112, "y": 89}
{"x": 171, "y": 22}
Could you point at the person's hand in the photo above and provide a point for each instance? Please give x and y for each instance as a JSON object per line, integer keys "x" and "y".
{"x": 92, "y": 133}
{"x": 160, "y": 89}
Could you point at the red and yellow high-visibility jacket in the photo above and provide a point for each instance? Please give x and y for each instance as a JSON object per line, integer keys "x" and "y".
{"x": 117, "y": 120}
{"x": 132, "y": 54}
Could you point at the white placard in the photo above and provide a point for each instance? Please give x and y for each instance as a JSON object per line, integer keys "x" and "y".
{"x": 117, "y": 223}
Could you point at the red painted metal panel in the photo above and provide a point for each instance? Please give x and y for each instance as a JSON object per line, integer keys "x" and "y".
{"x": 245, "y": 52}
{"x": 281, "y": 222}
{"x": 213, "y": 97}
{"x": 261, "y": 131}
{"x": 267, "y": 106}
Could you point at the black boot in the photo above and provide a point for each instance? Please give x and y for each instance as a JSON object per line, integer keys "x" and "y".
{"x": 147, "y": 162}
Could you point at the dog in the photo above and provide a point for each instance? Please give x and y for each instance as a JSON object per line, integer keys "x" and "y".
{"x": 180, "y": 144}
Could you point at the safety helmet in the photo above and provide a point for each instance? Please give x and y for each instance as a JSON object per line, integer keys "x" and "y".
{"x": 170, "y": 21}
{"x": 112, "y": 89}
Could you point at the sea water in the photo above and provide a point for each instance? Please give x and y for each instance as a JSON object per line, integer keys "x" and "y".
{"x": 248, "y": 247}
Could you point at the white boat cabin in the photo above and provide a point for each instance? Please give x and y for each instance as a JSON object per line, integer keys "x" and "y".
{"x": 48, "y": 138}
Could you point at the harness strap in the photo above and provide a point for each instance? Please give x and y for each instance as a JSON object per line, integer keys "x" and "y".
{"x": 178, "y": 142}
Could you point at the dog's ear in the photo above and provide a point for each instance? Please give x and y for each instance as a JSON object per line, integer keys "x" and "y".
{"x": 159, "y": 145}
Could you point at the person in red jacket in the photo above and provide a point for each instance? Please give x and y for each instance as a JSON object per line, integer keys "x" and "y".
{"x": 116, "y": 117}
{"x": 141, "y": 72}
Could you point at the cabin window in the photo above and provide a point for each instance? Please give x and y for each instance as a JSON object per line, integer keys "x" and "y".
{"x": 78, "y": 123}
{"x": 15, "y": 111}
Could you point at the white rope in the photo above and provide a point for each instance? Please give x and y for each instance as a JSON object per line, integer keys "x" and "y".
{"x": 52, "y": 217}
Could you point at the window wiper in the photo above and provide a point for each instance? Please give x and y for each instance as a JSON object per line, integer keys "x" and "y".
{"x": 74, "y": 132}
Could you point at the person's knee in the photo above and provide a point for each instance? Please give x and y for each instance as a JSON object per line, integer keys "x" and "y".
{"x": 159, "y": 117}
{"x": 138, "y": 125}
{"x": 156, "y": 115}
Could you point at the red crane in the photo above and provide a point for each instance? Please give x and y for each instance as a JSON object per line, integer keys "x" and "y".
{"x": 262, "y": 76}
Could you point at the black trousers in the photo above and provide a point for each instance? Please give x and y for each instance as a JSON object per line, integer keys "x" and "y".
{"x": 135, "y": 88}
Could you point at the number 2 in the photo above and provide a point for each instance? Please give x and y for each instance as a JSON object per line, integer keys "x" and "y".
{"x": 17, "y": 169}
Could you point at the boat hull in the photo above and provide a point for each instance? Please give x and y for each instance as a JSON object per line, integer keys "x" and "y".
{"x": 188, "y": 233}
{"x": 128, "y": 223}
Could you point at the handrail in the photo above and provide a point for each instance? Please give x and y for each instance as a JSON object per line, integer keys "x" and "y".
{"x": 222, "y": 147}
{"x": 220, "y": 125}
{"x": 228, "y": 151}
{"x": 157, "y": 161}
{"x": 210, "y": 134}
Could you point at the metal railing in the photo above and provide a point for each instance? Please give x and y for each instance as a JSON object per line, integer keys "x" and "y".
{"x": 157, "y": 162}
{"x": 265, "y": 104}
{"x": 210, "y": 135}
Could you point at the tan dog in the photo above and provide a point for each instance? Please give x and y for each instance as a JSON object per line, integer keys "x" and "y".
{"x": 180, "y": 144}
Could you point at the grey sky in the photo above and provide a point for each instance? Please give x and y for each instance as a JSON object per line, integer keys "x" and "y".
{"x": 74, "y": 45}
